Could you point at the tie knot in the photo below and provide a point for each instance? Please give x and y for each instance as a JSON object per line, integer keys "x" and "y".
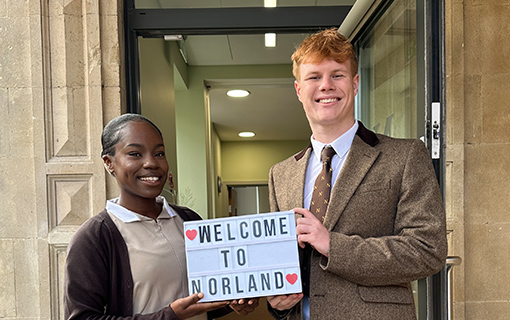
{"x": 327, "y": 153}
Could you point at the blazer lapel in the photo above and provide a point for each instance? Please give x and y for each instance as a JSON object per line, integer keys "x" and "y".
{"x": 296, "y": 183}
{"x": 360, "y": 159}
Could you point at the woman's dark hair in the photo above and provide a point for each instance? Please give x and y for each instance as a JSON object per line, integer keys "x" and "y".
{"x": 112, "y": 131}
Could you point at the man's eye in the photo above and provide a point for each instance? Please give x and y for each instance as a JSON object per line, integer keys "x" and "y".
{"x": 160, "y": 154}
{"x": 134, "y": 154}
{"x": 313, "y": 78}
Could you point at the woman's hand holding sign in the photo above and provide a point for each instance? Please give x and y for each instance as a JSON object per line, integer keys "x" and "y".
{"x": 188, "y": 307}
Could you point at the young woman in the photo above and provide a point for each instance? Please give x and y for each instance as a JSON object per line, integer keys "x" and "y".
{"x": 129, "y": 260}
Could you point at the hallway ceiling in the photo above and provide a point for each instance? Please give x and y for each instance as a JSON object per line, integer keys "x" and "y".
{"x": 272, "y": 110}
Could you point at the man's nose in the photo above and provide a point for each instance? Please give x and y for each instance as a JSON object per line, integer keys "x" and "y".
{"x": 327, "y": 84}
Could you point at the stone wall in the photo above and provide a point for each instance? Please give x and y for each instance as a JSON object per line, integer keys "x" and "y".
{"x": 478, "y": 153}
{"x": 60, "y": 81}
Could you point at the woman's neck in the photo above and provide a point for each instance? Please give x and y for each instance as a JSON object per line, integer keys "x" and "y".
{"x": 146, "y": 207}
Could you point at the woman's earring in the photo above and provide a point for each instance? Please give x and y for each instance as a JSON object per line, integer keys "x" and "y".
{"x": 108, "y": 169}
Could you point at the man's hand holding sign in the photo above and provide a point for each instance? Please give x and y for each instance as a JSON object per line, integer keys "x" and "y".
{"x": 310, "y": 230}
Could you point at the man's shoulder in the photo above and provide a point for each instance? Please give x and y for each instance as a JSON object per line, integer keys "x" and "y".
{"x": 382, "y": 141}
{"x": 299, "y": 156}
{"x": 398, "y": 143}
{"x": 402, "y": 149}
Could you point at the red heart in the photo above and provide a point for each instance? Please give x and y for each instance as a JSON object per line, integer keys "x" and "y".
{"x": 191, "y": 234}
{"x": 291, "y": 278}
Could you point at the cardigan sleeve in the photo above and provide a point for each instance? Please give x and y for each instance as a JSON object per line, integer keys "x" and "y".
{"x": 98, "y": 282}
{"x": 96, "y": 285}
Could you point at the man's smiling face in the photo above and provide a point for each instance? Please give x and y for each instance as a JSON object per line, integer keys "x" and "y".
{"x": 327, "y": 90}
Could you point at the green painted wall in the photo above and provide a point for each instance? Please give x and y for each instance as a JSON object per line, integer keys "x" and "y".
{"x": 249, "y": 162}
{"x": 220, "y": 198}
{"x": 192, "y": 147}
{"x": 157, "y": 96}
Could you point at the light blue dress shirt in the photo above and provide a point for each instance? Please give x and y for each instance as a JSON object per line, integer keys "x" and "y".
{"x": 342, "y": 145}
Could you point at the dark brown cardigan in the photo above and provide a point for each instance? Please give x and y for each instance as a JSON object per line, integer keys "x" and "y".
{"x": 98, "y": 283}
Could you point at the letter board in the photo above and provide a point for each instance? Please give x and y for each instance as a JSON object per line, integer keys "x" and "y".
{"x": 243, "y": 257}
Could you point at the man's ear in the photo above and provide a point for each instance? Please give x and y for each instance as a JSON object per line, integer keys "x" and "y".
{"x": 355, "y": 83}
{"x": 298, "y": 89}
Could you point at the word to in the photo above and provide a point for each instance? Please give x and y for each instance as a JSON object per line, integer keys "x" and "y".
{"x": 243, "y": 257}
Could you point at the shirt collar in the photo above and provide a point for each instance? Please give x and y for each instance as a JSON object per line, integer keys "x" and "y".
{"x": 127, "y": 216}
{"x": 341, "y": 145}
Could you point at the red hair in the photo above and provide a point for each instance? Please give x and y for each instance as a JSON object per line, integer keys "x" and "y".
{"x": 326, "y": 44}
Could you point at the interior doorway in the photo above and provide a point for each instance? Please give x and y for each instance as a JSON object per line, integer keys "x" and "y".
{"x": 248, "y": 199}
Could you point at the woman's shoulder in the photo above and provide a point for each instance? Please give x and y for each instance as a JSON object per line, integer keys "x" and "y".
{"x": 185, "y": 213}
{"x": 97, "y": 221}
{"x": 96, "y": 228}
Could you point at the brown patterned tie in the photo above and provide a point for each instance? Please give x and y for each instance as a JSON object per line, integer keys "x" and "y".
{"x": 322, "y": 187}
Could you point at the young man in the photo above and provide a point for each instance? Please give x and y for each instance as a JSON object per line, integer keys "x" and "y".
{"x": 384, "y": 223}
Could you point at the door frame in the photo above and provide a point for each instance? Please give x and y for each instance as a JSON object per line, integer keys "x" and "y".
{"x": 435, "y": 99}
{"x": 155, "y": 23}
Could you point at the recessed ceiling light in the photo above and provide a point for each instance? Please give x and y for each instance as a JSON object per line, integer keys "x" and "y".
{"x": 237, "y": 93}
{"x": 270, "y": 3}
{"x": 246, "y": 134}
{"x": 270, "y": 40}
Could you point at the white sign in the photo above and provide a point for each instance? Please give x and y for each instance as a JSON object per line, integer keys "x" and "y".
{"x": 243, "y": 257}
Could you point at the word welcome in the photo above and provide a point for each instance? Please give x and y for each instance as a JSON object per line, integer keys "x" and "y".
{"x": 241, "y": 230}
{"x": 242, "y": 257}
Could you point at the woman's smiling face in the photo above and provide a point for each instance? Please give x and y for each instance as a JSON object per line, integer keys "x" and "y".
{"x": 139, "y": 163}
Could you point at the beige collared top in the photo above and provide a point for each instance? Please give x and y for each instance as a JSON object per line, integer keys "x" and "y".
{"x": 156, "y": 254}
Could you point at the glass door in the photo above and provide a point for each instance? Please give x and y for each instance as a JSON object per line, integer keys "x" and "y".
{"x": 390, "y": 100}
{"x": 400, "y": 54}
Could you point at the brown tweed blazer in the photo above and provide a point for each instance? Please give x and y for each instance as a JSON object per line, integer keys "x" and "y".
{"x": 387, "y": 227}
